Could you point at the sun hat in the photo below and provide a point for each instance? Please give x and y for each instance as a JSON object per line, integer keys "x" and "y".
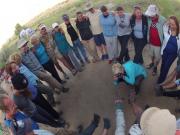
{"x": 88, "y": 6}
{"x": 19, "y": 81}
{"x": 65, "y": 17}
{"x": 21, "y": 43}
{"x": 152, "y": 10}
{"x": 54, "y": 25}
{"x": 117, "y": 68}
{"x": 156, "y": 121}
{"x": 41, "y": 26}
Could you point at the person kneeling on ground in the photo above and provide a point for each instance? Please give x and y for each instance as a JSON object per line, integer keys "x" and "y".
{"x": 129, "y": 72}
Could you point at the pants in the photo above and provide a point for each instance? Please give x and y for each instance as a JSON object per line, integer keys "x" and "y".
{"x": 91, "y": 48}
{"x": 139, "y": 45}
{"x": 124, "y": 54}
{"x": 79, "y": 49}
{"x": 74, "y": 60}
{"x": 49, "y": 66}
{"x": 43, "y": 103}
{"x": 112, "y": 47}
{"x": 172, "y": 93}
{"x": 44, "y": 76}
{"x": 138, "y": 82}
{"x": 89, "y": 130}
{"x": 167, "y": 60}
{"x": 43, "y": 117}
{"x": 46, "y": 90}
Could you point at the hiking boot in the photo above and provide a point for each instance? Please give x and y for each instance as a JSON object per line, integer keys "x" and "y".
{"x": 65, "y": 90}
{"x": 159, "y": 90}
{"x": 150, "y": 66}
{"x": 66, "y": 76}
{"x": 107, "y": 123}
{"x": 96, "y": 119}
{"x": 154, "y": 71}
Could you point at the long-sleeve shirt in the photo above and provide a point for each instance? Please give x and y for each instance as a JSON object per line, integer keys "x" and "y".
{"x": 31, "y": 61}
{"x": 123, "y": 24}
{"x": 132, "y": 71}
{"x": 108, "y": 25}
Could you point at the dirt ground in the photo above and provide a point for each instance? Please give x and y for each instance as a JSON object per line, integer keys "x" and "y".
{"x": 92, "y": 91}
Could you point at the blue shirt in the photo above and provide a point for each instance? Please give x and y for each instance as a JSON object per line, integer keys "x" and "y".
{"x": 32, "y": 78}
{"x": 109, "y": 25}
{"x": 132, "y": 71}
{"x": 21, "y": 119}
{"x": 33, "y": 91}
{"x": 171, "y": 46}
{"x": 31, "y": 61}
{"x": 41, "y": 53}
{"x": 61, "y": 42}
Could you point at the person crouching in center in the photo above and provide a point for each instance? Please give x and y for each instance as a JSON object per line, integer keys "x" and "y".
{"x": 131, "y": 73}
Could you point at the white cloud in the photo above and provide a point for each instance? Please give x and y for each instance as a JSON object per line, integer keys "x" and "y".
{"x": 19, "y": 11}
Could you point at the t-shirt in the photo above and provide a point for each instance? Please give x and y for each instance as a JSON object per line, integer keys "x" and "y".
{"x": 72, "y": 33}
{"x": 171, "y": 46}
{"x": 41, "y": 53}
{"x": 61, "y": 42}
{"x": 24, "y": 104}
{"x": 138, "y": 33}
{"x": 21, "y": 124}
{"x": 95, "y": 22}
{"x": 84, "y": 29}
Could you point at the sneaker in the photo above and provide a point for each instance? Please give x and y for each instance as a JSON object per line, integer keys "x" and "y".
{"x": 87, "y": 60}
{"x": 66, "y": 76}
{"x": 159, "y": 91}
{"x": 96, "y": 119}
{"x": 110, "y": 61}
{"x": 107, "y": 123}
{"x": 154, "y": 71}
{"x": 65, "y": 90}
{"x": 150, "y": 66}
{"x": 74, "y": 72}
{"x": 106, "y": 56}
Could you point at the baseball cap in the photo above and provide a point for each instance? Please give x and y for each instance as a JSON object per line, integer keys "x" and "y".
{"x": 54, "y": 25}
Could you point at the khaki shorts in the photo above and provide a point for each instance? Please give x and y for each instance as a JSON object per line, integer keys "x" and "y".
{"x": 155, "y": 51}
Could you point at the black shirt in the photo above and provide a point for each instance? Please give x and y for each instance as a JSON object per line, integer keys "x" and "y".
{"x": 72, "y": 32}
{"x": 84, "y": 29}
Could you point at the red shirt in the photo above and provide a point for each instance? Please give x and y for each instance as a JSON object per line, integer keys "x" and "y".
{"x": 153, "y": 34}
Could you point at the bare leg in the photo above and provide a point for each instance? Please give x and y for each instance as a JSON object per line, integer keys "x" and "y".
{"x": 65, "y": 63}
{"x": 105, "y": 132}
{"x": 170, "y": 85}
{"x": 170, "y": 78}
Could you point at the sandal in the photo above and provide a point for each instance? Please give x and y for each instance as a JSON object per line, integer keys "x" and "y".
{"x": 150, "y": 66}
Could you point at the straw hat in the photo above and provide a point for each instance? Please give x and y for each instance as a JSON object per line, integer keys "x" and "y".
{"x": 155, "y": 121}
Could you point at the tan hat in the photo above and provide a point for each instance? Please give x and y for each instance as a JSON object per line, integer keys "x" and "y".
{"x": 117, "y": 68}
{"x": 41, "y": 26}
{"x": 88, "y": 6}
{"x": 152, "y": 10}
{"x": 155, "y": 121}
{"x": 54, "y": 25}
{"x": 21, "y": 43}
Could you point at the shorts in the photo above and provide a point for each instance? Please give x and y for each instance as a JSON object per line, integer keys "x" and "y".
{"x": 155, "y": 51}
{"x": 99, "y": 39}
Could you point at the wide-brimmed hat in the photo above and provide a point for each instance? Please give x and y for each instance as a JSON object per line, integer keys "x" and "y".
{"x": 152, "y": 10}
{"x": 21, "y": 43}
{"x": 156, "y": 121}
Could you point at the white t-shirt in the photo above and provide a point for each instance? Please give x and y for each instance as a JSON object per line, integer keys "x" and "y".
{"x": 95, "y": 23}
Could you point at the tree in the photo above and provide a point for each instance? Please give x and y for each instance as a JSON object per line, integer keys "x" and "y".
{"x": 18, "y": 29}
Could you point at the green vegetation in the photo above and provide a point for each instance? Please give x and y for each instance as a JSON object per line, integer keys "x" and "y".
{"x": 70, "y": 7}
